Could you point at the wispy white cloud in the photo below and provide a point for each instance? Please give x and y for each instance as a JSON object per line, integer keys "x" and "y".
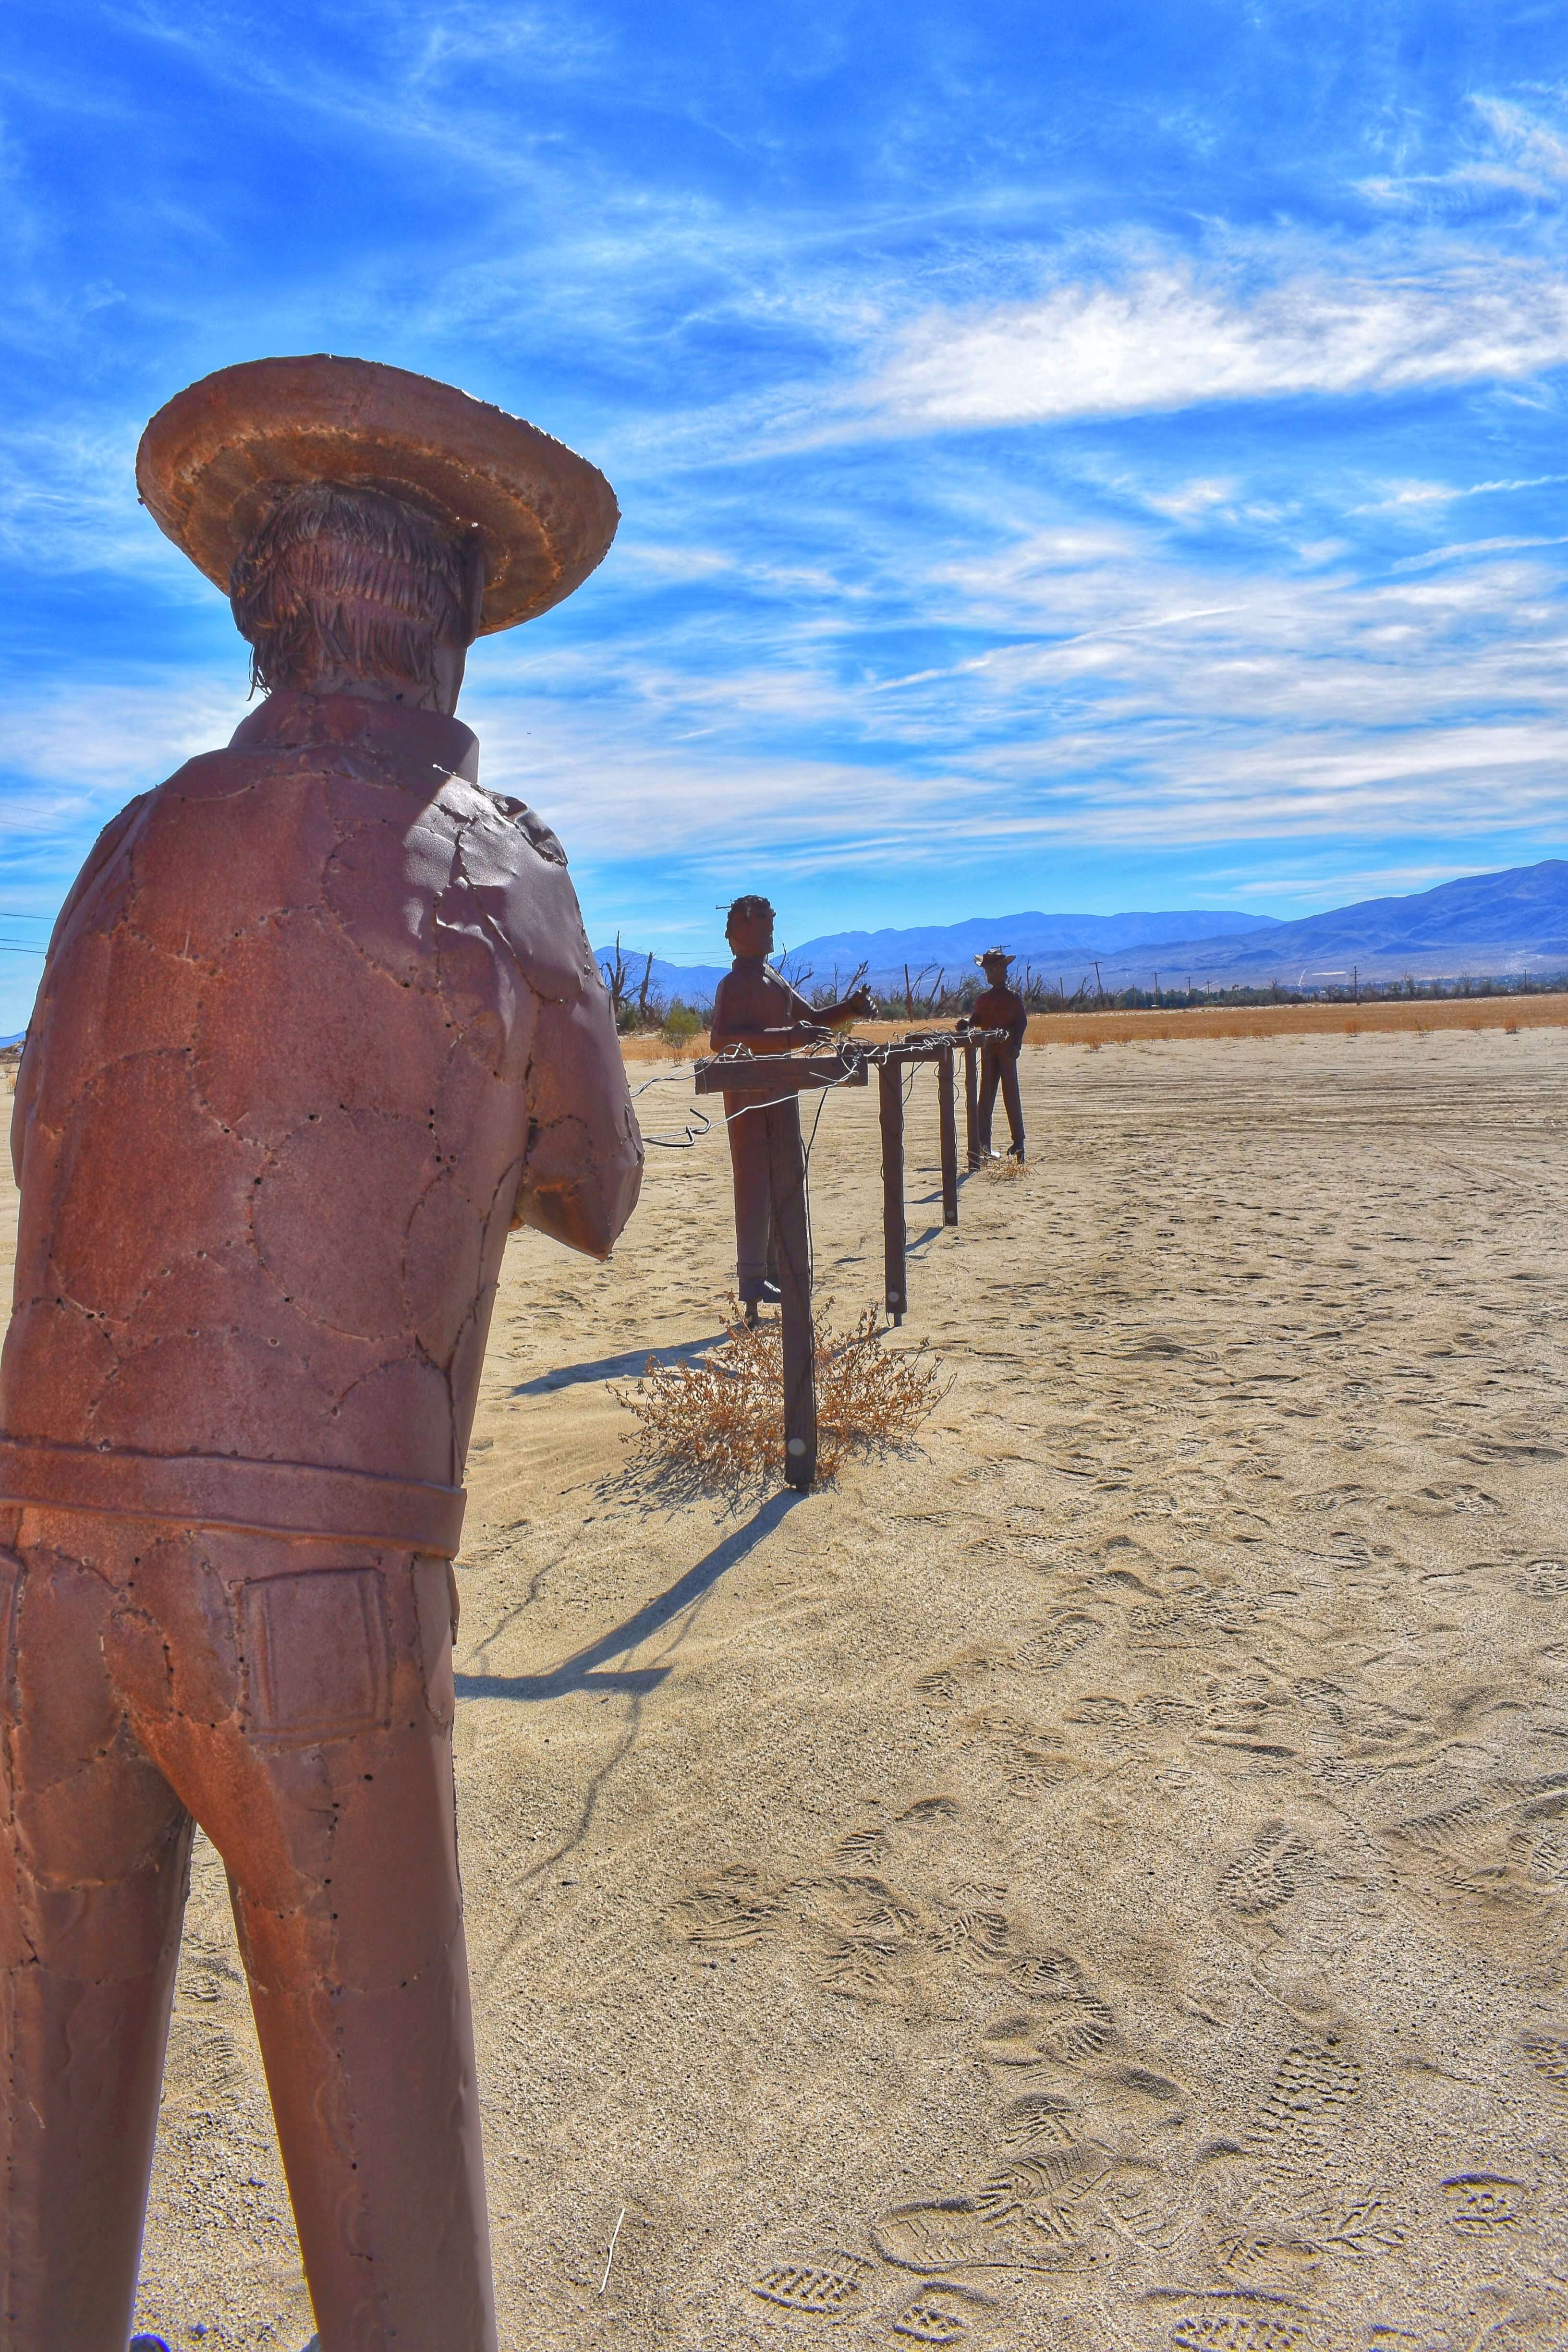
{"x": 70, "y": 749}
{"x": 1166, "y": 340}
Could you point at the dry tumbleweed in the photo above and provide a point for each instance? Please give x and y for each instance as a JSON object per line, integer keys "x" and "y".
{"x": 721, "y": 1419}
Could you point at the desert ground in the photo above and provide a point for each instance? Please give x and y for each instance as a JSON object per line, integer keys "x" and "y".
{"x": 1096, "y": 1880}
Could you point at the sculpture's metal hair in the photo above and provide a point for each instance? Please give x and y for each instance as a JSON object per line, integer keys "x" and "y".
{"x": 346, "y": 581}
{"x": 745, "y": 911}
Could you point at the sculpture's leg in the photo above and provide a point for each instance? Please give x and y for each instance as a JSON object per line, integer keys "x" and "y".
{"x": 990, "y": 1070}
{"x": 971, "y": 1106}
{"x": 298, "y": 1697}
{"x": 753, "y": 1216}
{"x": 1014, "y": 1101}
{"x": 327, "y": 1789}
{"x": 94, "y": 1856}
{"x": 373, "y": 2093}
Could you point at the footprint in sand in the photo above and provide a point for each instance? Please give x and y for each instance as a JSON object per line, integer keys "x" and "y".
{"x": 1484, "y": 2205}
{"x": 825, "y": 2284}
{"x": 1234, "y": 2320}
{"x": 1471, "y": 1870}
{"x": 1547, "y": 2053}
{"x": 1066, "y": 2206}
{"x": 945, "y": 2312}
{"x": 726, "y": 1911}
{"x": 1033, "y": 1761}
{"x": 1045, "y": 1647}
{"x": 1066, "y": 2022}
{"x": 1018, "y": 2221}
{"x": 1267, "y": 1874}
{"x": 1299, "y": 2138}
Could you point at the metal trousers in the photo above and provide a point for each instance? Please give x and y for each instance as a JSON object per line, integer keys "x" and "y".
{"x": 294, "y": 1696}
{"x": 996, "y": 1064}
{"x": 756, "y": 1251}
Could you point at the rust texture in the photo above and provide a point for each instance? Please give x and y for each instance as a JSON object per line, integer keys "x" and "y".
{"x": 318, "y": 1028}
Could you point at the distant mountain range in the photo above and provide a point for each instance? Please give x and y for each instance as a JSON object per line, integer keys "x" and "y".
{"x": 1486, "y": 925}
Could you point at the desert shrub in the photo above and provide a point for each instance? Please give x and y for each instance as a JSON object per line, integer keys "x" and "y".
{"x": 1006, "y": 1171}
{"x": 680, "y": 1025}
{"x": 720, "y": 1423}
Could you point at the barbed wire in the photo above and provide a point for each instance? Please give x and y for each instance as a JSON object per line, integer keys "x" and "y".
{"x": 855, "y": 1057}
{"x": 691, "y": 1137}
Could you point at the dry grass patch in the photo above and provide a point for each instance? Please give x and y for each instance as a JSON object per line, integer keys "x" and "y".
{"x": 720, "y": 1423}
{"x": 1382, "y": 1016}
{"x": 653, "y": 1045}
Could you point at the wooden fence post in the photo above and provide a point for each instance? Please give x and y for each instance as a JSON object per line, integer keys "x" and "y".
{"x": 890, "y": 1107}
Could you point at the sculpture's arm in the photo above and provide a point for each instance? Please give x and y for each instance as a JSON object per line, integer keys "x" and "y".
{"x": 30, "y": 1071}
{"x": 582, "y": 1170}
{"x": 730, "y": 1027}
{"x": 776, "y": 1039}
{"x": 858, "y": 1007}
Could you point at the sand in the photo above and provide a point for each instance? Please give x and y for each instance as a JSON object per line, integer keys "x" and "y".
{"x": 1097, "y": 1880}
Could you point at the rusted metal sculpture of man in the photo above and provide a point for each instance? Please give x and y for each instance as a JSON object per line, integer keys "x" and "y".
{"x": 318, "y": 1028}
{"x": 999, "y": 1006}
{"x": 754, "y": 1007}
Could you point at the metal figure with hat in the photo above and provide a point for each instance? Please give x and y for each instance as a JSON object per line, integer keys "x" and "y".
{"x": 318, "y": 1028}
{"x": 755, "y": 1007}
{"x": 999, "y": 1006}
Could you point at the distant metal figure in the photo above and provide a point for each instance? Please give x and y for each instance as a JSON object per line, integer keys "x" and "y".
{"x": 755, "y": 1008}
{"x": 1000, "y": 1007}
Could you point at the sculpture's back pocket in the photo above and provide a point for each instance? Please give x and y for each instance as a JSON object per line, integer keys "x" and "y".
{"x": 316, "y": 1653}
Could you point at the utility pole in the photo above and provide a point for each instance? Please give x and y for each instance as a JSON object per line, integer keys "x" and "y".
{"x": 1099, "y": 988}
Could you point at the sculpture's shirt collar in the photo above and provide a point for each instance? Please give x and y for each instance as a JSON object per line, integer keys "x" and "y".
{"x": 291, "y": 721}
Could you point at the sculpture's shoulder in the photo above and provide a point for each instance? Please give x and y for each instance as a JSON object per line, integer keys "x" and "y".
{"x": 752, "y": 996}
{"x": 510, "y": 874}
{"x": 534, "y": 829}
{"x": 105, "y": 867}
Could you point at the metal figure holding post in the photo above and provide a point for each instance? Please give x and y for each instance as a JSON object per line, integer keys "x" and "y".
{"x": 767, "y": 1091}
{"x": 757, "y": 1009}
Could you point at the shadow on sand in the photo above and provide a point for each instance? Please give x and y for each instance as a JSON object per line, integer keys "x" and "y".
{"x": 580, "y": 1672}
{"x": 617, "y": 1368}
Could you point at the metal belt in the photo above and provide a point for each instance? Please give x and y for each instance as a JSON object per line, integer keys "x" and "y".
{"x": 209, "y": 1490}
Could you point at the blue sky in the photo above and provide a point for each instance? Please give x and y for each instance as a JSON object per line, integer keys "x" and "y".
{"x": 1070, "y": 457}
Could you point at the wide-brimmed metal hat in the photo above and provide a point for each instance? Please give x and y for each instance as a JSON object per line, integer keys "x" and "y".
{"x": 996, "y": 955}
{"x": 214, "y": 462}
